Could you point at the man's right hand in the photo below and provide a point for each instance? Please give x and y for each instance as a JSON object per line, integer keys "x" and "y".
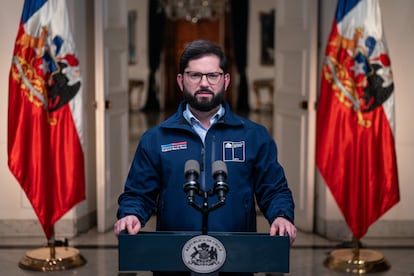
{"x": 129, "y": 223}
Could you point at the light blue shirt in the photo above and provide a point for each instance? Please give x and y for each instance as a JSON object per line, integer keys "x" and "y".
{"x": 196, "y": 124}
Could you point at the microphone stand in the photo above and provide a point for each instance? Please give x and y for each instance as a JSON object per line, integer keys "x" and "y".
{"x": 205, "y": 209}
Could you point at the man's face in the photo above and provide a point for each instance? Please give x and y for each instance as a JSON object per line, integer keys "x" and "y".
{"x": 203, "y": 83}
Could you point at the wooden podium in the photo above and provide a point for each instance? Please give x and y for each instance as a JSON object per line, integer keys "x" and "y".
{"x": 166, "y": 251}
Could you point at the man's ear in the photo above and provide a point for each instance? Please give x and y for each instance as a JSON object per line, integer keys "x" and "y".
{"x": 226, "y": 81}
{"x": 180, "y": 81}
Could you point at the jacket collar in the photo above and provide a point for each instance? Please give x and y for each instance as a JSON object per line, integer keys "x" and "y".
{"x": 178, "y": 121}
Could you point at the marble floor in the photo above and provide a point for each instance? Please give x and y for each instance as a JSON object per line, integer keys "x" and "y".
{"x": 307, "y": 255}
{"x": 100, "y": 250}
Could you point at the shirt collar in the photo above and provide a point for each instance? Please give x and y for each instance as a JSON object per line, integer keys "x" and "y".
{"x": 191, "y": 119}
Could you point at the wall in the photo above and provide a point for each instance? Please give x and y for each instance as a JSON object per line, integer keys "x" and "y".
{"x": 399, "y": 34}
{"x": 139, "y": 70}
{"x": 255, "y": 70}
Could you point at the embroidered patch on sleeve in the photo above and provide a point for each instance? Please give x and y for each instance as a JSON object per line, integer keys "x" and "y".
{"x": 234, "y": 151}
{"x": 174, "y": 146}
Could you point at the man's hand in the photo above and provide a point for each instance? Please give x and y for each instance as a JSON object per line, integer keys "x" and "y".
{"x": 283, "y": 227}
{"x": 129, "y": 223}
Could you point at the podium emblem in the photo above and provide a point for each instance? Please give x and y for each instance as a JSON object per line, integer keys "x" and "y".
{"x": 203, "y": 254}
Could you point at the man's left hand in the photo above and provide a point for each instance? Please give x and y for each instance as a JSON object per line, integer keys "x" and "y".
{"x": 283, "y": 227}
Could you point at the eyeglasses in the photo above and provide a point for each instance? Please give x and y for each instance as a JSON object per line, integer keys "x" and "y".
{"x": 196, "y": 77}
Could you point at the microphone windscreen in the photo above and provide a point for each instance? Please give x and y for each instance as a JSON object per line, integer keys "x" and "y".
{"x": 219, "y": 166}
{"x": 191, "y": 165}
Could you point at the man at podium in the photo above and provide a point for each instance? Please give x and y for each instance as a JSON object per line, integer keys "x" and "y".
{"x": 204, "y": 129}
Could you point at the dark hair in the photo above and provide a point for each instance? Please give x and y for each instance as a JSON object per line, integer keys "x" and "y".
{"x": 200, "y": 48}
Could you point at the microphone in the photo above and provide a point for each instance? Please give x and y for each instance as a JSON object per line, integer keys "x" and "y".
{"x": 191, "y": 173}
{"x": 219, "y": 172}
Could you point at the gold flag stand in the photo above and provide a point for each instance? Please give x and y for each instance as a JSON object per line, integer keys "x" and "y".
{"x": 54, "y": 257}
{"x": 356, "y": 260}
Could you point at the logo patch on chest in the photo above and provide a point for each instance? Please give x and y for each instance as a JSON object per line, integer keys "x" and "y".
{"x": 234, "y": 151}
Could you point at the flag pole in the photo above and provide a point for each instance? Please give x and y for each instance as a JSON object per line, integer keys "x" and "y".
{"x": 356, "y": 247}
{"x": 356, "y": 260}
{"x": 56, "y": 256}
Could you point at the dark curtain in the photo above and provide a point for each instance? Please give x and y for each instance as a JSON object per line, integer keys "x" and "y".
{"x": 156, "y": 24}
{"x": 239, "y": 17}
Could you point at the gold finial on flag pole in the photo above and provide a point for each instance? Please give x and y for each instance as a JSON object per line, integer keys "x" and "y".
{"x": 356, "y": 260}
{"x": 56, "y": 256}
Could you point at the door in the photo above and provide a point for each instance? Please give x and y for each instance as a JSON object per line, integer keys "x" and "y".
{"x": 294, "y": 100}
{"x": 111, "y": 84}
{"x": 178, "y": 34}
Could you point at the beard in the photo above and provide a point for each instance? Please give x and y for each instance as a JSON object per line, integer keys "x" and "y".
{"x": 203, "y": 103}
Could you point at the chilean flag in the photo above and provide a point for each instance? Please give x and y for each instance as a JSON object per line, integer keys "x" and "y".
{"x": 355, "y": 148}
{"x": 45, "y": 141}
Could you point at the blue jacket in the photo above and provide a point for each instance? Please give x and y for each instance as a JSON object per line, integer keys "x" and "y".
{"x": 156, "y": 177}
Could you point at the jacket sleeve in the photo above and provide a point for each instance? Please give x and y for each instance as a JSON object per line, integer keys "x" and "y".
{"x": 142, "y": 183}
{"x": 273, "y": 195}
